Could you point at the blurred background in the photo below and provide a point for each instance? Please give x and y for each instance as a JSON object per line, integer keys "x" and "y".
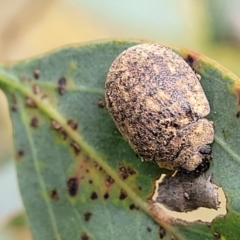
{"x": 32, "y": 27}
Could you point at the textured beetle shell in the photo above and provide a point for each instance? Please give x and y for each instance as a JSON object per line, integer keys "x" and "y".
{"x": 158, "y": 104}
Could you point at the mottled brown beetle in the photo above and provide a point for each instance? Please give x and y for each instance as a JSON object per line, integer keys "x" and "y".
{"x": 158, "y": 104}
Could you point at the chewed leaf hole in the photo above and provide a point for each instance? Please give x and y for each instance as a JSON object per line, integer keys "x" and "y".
{"x": 174, "y": 197}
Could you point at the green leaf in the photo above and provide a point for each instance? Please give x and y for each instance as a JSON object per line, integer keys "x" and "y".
{"x": 87, "y": 183}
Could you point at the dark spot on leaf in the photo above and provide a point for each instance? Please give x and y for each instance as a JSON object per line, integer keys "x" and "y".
{"x": 140, "y": 188}
{"x": 87, "y": 171}
{"x": 54, "y": 194}
{"x": 55, "y": 125}
{"x": 36, "y": 89}
{"x": 102, "y": 103}
{"x": 84, "y": 236}
{"x": 238, "y": 114}
{"x": 189, "y": 60}
{"x": 72, "y": 124}
{"x": 75, "y": 147}
{"x": 97, "y": 166}
{"x": 133, "y": 206}
{"x": 62, "y": 83}
{"x": 30, "y": 103}
{"x": 122, "y": 195}
{"x": 72, "y": 186}
{"x": 125, "y": 172}
{"x": 106, "y": 196}
{"x": 36, "y": 73}
{"x": 87, "y": 216}
{"x": 94, "y": 196}
{"x": 149, "y": 229}
{"x": 90, "y": 181}
{"x": 34, "y": 122}
{"x": 109, "y": 180}
{"x": 20, "y": 154}
{"x": 216, "y": 235}
{"x": 162, "y": 232}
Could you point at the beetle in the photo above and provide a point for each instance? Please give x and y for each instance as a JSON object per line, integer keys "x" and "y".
{"x": 158, "y": 104}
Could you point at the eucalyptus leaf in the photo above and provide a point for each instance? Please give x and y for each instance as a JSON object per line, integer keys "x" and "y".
{"x": 78, "y": 177}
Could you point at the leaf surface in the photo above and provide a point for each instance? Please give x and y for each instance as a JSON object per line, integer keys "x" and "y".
{"x": 78, "y": 178}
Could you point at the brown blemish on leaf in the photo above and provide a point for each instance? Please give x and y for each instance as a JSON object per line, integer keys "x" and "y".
{"x": 162, "y": 232}
{"x": 87, "y": 216}
{"x": 217, "y": 235}
{"x": 109, "y": 181}
{"x": 56, "y": 126}
{"x": 30, "y": 103}
{"x": 94, "y": 196}
{"x": 133, "y": 206}
{"x": 97, "y": 166}
{"x": 149, "y": 229}
{"x": 122, "y": 195}
{"x": 75, "y": 146}
{"x": 190, "y": 60}
{"x": 84, "y": 236}
{"x": 36, "y": 73}
{"x": 62, "y": 83}
{"x": 34, "y": 122}
{"x": 106, "y": 196}
{"x": 72, "y": 185}
{"x": 36, "y": 89}
{"x": 238, "y": 114}
{"x": 102, "y": 103}
{"x": 125, "y": 172}
{"x": 72, "y": 124}
{"x": 90, "y": 181}
{"x": 20, "y": 154}
{"x": 54, "y": 195}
